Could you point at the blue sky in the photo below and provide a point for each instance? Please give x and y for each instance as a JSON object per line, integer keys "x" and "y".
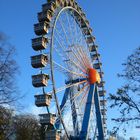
{"x": 115, "y": 25}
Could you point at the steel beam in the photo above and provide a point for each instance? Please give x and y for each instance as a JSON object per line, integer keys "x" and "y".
{"x": 98, "y": 115}
{"x": 64, "y": 100}
{"x": 74, "y": 113}
{"x": 87, "y": 114}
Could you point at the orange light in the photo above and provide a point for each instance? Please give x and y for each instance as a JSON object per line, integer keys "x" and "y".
{"x": 93, "y": 76}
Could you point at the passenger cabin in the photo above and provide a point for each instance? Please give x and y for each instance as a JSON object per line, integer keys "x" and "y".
{"x": 79, "y": 9}
{"x": 53, "y": 135}
{"x": 83, "y": 24}
{"x": 47, "y": 119}
{"x": 58, "y": 2}
{"x": 87, "y": 22}
{"x": 101, "y": 74}
{"x": 105, "y": 129}
{"x": 103, "y": 102}
{"x": 104, "y": 120}
{"x": 62, "y": 2}
{"x": 39, "y": 43}
{"x": 66, "y": 3}
{"x": 49, "y": 6}
{"x": 83, "y": 15}
{"x": 95, "y": 56}
{"x": 90, "y": 39}
{"x": 103, "y": 111}
{"x": 102, "y": 93}
{"x": 97, "y": 65}
{"x": 93, "y": 48}
{"x": 75, "y": 5}
{"x": 101, "y": 84}
{"x": 71, "y": 2}
{"x": 40, "y": 80}
{"x": 41, "y": 28}
{"x": 39, "y": 61}
{"x": 87, "y": 31}
{"x": 43, "y": 100}
{"x": 45, "y": 16}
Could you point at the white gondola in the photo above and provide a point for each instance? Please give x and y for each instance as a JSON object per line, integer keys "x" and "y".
{"x": 53, "y": 135}
{"x": 95, "y": 56}
{"x": 87, "y": 31}
{"x": 39, "y": 61}
{"x": 49, "y": 6}
{"x": 45, "y": 16}
{"x": 93, "y": 48}
{"x": 102, "y": 93}
{"x": 97, "y": 65}
{"x": 101, "y": 84}
{"x": 103, "y": 111}
{"x": 40, "y": 80}
{"x": 41, "y": 28}
{"x": 75, "y": 5}
{"x": 39, "y": 43}
{"x": 103, "y": 102}
{"x": 79, "y": 9}
{"x": 90, "y": 39}
{"x": 71, "y": 2}
{"x": 104, "y": 119}
{"x": 66, "y": 3}
{"x": 42, "y": 100}
{"x": 101, "y": 74}
{"x": 47, "y": 119}
{"x": 83, "y": 15}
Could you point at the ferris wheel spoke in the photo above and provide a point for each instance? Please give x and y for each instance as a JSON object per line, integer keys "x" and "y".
{"x": 80, "y": 106}
{"x": 72, "y": 72}
{"x": 75, "y": 96}
{"x": 61, "y": 38}
{"x": 69, "y": 57}
{"x": 78, "y": 93}
{"x": 73, "y": 100}
{"x": 82, "y": 40}
{"x": 80, "y": 62}
{"x": 70, "y": 30}
{"x": 67, "y": 40}
{"x": 81, "y": 58}
{"x": 83, "y": 97}
{"x": 67, "y": 86}
{"x": 75, "y": 26}
{"x": 87, "y": 61}
{"x": 84, "y": 91}
{"x": 77, "y": 60}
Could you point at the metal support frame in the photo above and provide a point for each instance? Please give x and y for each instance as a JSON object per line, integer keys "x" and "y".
{"x": 98, "y": 115}
{"x": 64, "y": 100}
{"x": 69, "y": 93}
{"x": 74, "y": 113}
{"x": 93, "y": 93}
{"x": 87, "y": 114}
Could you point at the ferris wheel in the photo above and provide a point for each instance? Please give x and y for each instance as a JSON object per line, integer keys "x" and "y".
{"x": 70, "y": 79}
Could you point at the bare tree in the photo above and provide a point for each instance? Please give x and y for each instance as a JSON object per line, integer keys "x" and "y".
{"x": 127, "y": 98}
{"x": 27, "y": 128}
{"x": 6, "y": 122}
{"x": 8, "y": 72}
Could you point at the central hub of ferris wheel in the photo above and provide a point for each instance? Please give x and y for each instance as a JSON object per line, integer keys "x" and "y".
{"x": 93, "y": 76}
